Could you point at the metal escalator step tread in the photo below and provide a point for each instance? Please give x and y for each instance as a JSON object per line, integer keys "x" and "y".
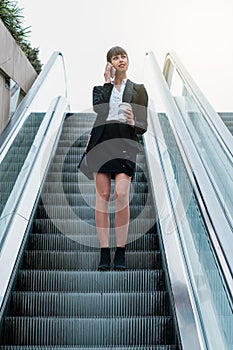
{"x": 53, "y": 260}
{"x": 89, "y": 331}
{"x": 59, "y": 206}
{"x": 37, "y": 304}
{"x": 74, "y": 224}
{"x": 85, "y": 211}
{"x": 78, "y": 123}
{"x": 73, "y": 177}
{"x": 71, "y": 168}
{"x": 66, "y": 242}
{"x": 15, "y": 160}
{"x": 141, "y": 347}
{"x": 89, "y": 241}
{"x": 59, "y": 158}
{"x": 68, "y": 158}
{"x": 91, "y": 281}
{"x": 73, "y": 199}
{"x": 67, "y": 151}
{"x": 74, "y": 187}
{"x": 69, "y": 243}
{"x": 84, "y": 203}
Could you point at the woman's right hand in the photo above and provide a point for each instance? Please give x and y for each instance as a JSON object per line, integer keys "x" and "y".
{"x": 108, "y": 72}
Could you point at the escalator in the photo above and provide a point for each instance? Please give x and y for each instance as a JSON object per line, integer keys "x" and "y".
{"x": 60, "y": 299}
{"x": 177, "y": 290}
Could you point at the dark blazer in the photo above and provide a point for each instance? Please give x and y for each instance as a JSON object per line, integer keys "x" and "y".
{"x": 136, "y": 95}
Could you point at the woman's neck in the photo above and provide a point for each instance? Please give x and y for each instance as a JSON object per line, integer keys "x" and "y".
{"x": 119, "y": 78}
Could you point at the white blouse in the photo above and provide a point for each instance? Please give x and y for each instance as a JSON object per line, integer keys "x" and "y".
{"x": 115, "y": 99}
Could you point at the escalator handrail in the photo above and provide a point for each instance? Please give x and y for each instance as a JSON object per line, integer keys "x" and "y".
{"x": 217, "y": 125}
{"x": 7, "y": 136}
{"x": 221, "y": 237}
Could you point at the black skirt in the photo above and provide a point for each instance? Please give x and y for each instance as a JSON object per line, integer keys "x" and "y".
{"x": 113, "y": 154}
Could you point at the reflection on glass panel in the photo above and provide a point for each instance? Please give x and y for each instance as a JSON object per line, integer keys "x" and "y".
{"x": 215, "y": 158}
{"x": 177, "y": 86}
{"x": 12, "y": 163}
{"x": 210, "y": 286}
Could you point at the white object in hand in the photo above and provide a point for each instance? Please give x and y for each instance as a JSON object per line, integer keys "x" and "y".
{"x": 121, "y": 111}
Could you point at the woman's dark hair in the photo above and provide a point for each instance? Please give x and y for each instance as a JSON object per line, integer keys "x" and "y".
{"x": 116, "y": 50}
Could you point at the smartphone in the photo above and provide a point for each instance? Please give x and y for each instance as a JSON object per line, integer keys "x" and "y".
{"x": 112, "y": 70}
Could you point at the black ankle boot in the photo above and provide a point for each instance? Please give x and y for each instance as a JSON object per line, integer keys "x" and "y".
{"x": 119, "y": 259}
{"x": 105, "y": 259}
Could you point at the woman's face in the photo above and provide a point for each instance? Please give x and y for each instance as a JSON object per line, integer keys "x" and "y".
{"x": 120, "y": 62}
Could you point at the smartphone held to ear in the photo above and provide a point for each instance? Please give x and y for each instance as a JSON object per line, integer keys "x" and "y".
{"x": 111, "y": 69}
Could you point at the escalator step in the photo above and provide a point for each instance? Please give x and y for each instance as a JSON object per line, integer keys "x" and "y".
{"x": 62, "y": 242}
{"x": 73, "y": 177}
{"x": 89, "y": 304}
{"x": 72, "y": 167}
{"x": 141, "y": 347}
{"x": 67, "y": 155}
{"x": 90, "y": 242}
{"x": 88, "y": 331}
{"x": 85, "y": 211}
{"x": 91, "y": 281}
{"x": 53, "y": 190}
{"x": 44, "y": 260}
{"x": 73, "y": 226}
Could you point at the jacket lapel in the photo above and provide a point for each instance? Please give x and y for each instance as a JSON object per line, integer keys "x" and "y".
{"x": 128, "y": 92}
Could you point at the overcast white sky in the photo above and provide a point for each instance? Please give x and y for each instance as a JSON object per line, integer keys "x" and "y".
{"x": 199, "y": 31}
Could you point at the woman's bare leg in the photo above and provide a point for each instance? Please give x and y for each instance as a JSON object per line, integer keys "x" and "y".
{"x": 103, "y": 191}
{"x": 122, "y": 212}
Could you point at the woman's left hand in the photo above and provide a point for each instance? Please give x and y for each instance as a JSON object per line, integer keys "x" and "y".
{"x": 129, "y": 117}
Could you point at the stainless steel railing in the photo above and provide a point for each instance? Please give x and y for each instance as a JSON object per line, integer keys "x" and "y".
{"x": 193, "y": 216}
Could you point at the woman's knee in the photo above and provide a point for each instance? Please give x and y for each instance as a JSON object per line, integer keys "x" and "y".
{"x": 121, "y": 196}
{"x": 121, "y": 193}
{"x": 104, "y": 194}
{"x": 103, "y": 187}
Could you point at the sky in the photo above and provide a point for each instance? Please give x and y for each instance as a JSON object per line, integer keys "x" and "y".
{"x": 200, "y": 32}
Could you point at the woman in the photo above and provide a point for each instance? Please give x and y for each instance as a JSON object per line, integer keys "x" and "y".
{"x": 112, "y": 150}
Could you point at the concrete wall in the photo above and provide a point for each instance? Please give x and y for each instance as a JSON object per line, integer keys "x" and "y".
{"x": 15, "y": 65}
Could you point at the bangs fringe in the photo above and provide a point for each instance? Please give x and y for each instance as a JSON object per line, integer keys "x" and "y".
{"x": 116, "y": 50}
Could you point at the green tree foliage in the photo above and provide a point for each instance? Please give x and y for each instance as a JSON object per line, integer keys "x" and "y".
{"x": 12, "y": 17}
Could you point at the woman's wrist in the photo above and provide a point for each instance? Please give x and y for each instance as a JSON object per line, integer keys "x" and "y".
{"x": 107, "y": 80}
